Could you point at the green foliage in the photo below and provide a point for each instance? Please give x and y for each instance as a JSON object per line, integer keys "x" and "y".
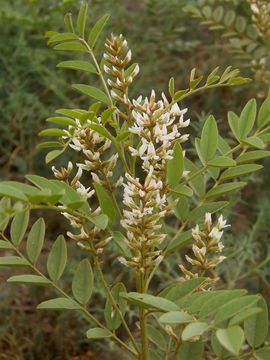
{"x": 150, "y": 302}
{"x": 231, "y": 338}
{"x": 242, "y": 31}
{"x": 209, "y": 139}
{"x": 29, "y": 87}
{"x": 98, "y": 333}
{"x": 119, "y": 133}
{"x": 106, "y": 203}
{"x": 175, "y": 317}
{"x": 57, "y": 258}
{"x": 19, "y": 226}
{"x": 35, "y": 240}
{"x": 191, "y": 350}
{"x": 193, "y": 330}
{"x": 82, "y": 285}
{"x": 112, "y": 318}
{"x": 60, "y": 304}
{"x": 29, "y": 280}
{"x": 177, "y": 162}
{"x": 256, "y": 327}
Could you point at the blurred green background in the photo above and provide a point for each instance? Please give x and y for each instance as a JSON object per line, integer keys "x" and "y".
{"x": 167, "y": 42}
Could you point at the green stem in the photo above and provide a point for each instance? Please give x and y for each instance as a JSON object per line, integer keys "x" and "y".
{"x": 205, "y": 167}
{"x": 143, "y": 321}
{"x": 144, "y": 339}
{"x": 55, "y": 208}
{"x": 92, "y": 55}
{"x": 193, "y": 176}
{"x": 263, "y": 130}
{"x": 151, "y": 276}
{"x": 85, "y": 312}
{"x": 113, "y": 195}
{"x": 192, "y": 92}
{"x": 179, "y": 343}
{"x": 168, "y": 350}
{"x": 114, "y": 304}
{"x": 243, "y": 356}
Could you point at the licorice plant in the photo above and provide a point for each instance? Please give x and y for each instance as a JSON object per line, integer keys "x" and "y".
{"x": 133, "y": 185}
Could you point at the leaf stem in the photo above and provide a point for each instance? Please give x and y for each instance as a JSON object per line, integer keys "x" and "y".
{"x": 113, "y": 195}
{"x": 86, "y": 313}
{"x": 92, "y": 55}
{"x": 168, "y": 349}
{"x": 194, "y": 91}
{"x": 115, "y": 306}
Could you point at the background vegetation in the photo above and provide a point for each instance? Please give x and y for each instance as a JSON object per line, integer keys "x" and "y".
{"x": 167, "y": 40}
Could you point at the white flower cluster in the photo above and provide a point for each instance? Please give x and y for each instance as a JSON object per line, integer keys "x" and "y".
{"x": 82, "y": 233}
{"x": 118, "y": 57}
{"x": 155, "y": 124}
{"x": 261, "y": 16}
{"x": 207, "y": 243}
{"x": 64, "y": 173}
{"x": 83, "y": 137}
{"x": 93, "y": 146}
{"x": 76, "y": 223}
{"x": 142, "y": 220}
{"x": 86, "y": 193}
{"x": 259, "y": 6}
{"x": 84, "y": 236}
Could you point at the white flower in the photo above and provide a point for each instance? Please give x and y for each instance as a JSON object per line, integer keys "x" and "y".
{"x": 95, "y": 177}
{"x": 151, "y": 153}
{"x": 114, "y": 95}
{"x": 221, "y": 258}
{"x": 136, "y": 71}
{"x": 69, "y": 167}
{"x": 156, "y": 124}
{"x": 55, "y": 171}
{"x": 141, "y": 193}
{"x": 81, "y": 236}
{"x": 221, "y": 224}
{"x": 192, "y": 261}
{"x": 220, "y": 246}
{"x": 199, "y": 252}
{"x": 119, "y": 182}
{"x": 158, "y": 260}
{"x": 184, "y": 137}
{"x": 87, "y": 166}
{"x": 143, "y": 147}
{"x": 196, "y": 233}
{"x": 86, "y": 193}
{"x": 184, "y": 124}
{"x": 123, "y": 261}
{"x": 79, "y": 173}
{"x": 107, "y": 69}
{"x": 254, "y": 8}
{"x": 216, "y": 234}
{"x": 175, "y": 110}
{"x": 208, "y": 219}
{"x": 135, "y": 129}
{"x": 185, "y": 174}
{"x": 128, "y": 56}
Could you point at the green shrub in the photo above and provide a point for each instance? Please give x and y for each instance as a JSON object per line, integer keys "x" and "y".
{"x": 170, "y": 200}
